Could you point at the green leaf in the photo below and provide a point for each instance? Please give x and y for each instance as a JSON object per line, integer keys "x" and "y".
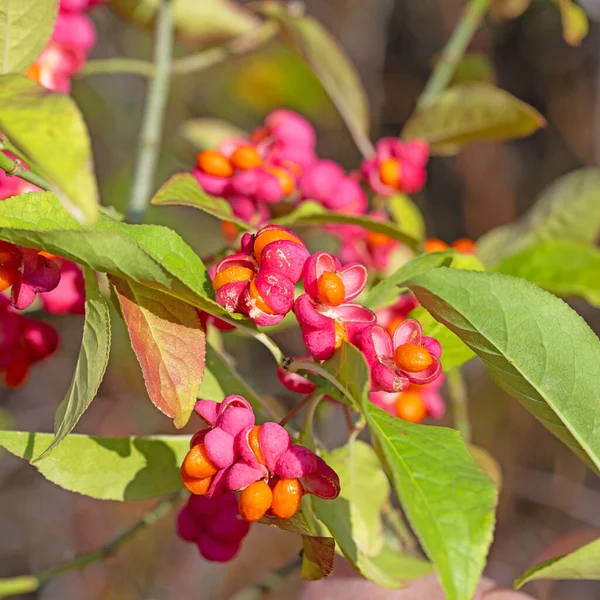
{"x": 407, "y": 215}
{"x": 399, "y": 566}
{"x": 474, "y": 67}
{"x": 134, "y": 468}
{"x": 387, "y": 292}
{"x": 49, "y": 130}
{"x": 469, "y": 113}
{"x": 455, "y": 352}
{"x": 346, "y": 370}
{"x": 354, "y": 517}
{"x": 170, "y": 344}
{"x": 567, "y": 269}
{"x": 567, "y": 210}
{"x": 199, "y": 22}
{"x": 151, "y": 255}
{"x": 221, "y": 380}
{"x": 183, "y": 189}
{"x": 574, "y": 21}
{"x": 207, "y": 133}
{"x": 312, "y": 213}
{"x": 447, "y": 499}
{"x": 25, "y": 28}
{"x": 536, "y": 348}
{"x": 584, "y": 563}
{"x": 327, "y": 60}
{"x": 91, "y": 364}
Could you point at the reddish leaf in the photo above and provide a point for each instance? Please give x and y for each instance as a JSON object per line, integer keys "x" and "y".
{"x": 317, "y": 558}
{"x": 170, "y": 344}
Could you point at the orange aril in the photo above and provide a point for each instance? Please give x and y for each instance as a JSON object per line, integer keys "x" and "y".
{"x": 435, "y": 245}
{"x": 213, "y": 162}
{"x": 255, "y": 501}
{"x": 286, "y": 181}
{"x": 389, "y": 172}
{"x": 287, "y": 496}
{"x": 376, "y": 239}
{"x": 255, "y": 445}
{"x": 245, "y": 157}
{"x": 412, "y": 358}
{"x": 199, "y": 487}
{"x": 331, "y": 289}
{"x": 264, "y": 238}
{"x": 393, "y": 324}
{"x": 259, "y": 301}
{"x": 229, "y": 230}
{"x": 7, "y": 277}
{"x": 197, "y": 464}
{"x": 258, "y": 135}
{"x": 410, "y": 407}
{"x": 34, "y": 72}
{"x": 340, "y": 335}
{"x": 47, "y": 255}
{"x": 464, "y": 245}
{"x": 230, "y": 275}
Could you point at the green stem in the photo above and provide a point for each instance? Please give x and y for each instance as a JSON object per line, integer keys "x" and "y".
{"x": 307, "y": 434}
{"x": 457, "y": 390}
{"x": 118, "y": 66}
{"x": 15, "y": 168}
{"x": 454, "y": 50}
{"x": 152, "y": 123}
{"x": 30, "y": 583}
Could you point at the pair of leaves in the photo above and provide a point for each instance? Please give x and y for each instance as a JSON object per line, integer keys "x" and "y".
{"x": 468, "y": 113}
{"x": 567, "y": 210}
{"x": 423, "y": 463}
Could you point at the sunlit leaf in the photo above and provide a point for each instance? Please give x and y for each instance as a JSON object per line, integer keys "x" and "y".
{"x": 567, "y": 269}
{"x": 106, "y": 468}
{"x": 91, "y": 364}
{"x": 469, "y": 113}
{"x": 574, "y": 21}
{"x": 183, "y": 189}
{"x": 49, "y": 130}
{"x": 25, "y": 28}
{"x": 583, "y": 563}
{"x": 407, "y": 215}
{"x": 448, "y": 500}
{"x": 170, "y": 344}
{"x": 535, "y": 346}
{"x": 508, "y": 9}
{"x": 568, "y": 209}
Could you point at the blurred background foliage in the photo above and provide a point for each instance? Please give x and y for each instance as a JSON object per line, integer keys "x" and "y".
{"x": 393, "y": 43}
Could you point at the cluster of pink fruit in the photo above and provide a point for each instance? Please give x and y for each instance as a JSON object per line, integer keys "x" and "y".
{"x": 232, "y": 454}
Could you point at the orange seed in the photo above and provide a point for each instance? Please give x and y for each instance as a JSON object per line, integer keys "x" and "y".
{"x": 264, "y": 238}
{"x": 7, "y": 277}
{"x": 389, "y": 172}
{"x": 197, "y": 464}
{"x": 245, "y": 157}
{"x": 376, "y": 239}
{"x": 410, "y": 407}
{"x": 435, "y": 245}
{"x": 464, "y": 245}
{"x": 286, "y": 181}
{"x": 198, "y": 487}
{"x": 412, "y": 358}
{"x": 254, "y": 444}
{"x": 259, "y": 301}
{"x": 287, "y": 496}
{"x": 255, "y": 501}
{"x": 231, "y": 274}
{"x": 331, "y": 289}
{"x": 213, "y": 162}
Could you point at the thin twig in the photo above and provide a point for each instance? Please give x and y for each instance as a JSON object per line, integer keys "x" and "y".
{"x": 15, "y": 168}
{"x": 152, "y": 123}
{"x": 298, "y": 407}
{"x": 454, "y": 50}
{"x": 396, "y": 521}
{"x": 117, "y": 66}
{"x": 457, "y": 390}
{"x": 30, "y": 583}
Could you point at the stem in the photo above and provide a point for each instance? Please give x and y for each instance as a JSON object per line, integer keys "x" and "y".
{"x": 30, "y": 583}
{"x": 187, "y": 64}
{"x": 15, "y": 168}
{"x": 457, "y": 391}
{"x": 154, "y": 113}
{"x": 307, "y": 435}
{"x": 397, "y": 523}
{"x": 454, "y": 50}
{"x": 299, "y": 407}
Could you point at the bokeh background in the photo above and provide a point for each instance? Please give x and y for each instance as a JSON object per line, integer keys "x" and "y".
{"x": 547, "y": 492}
